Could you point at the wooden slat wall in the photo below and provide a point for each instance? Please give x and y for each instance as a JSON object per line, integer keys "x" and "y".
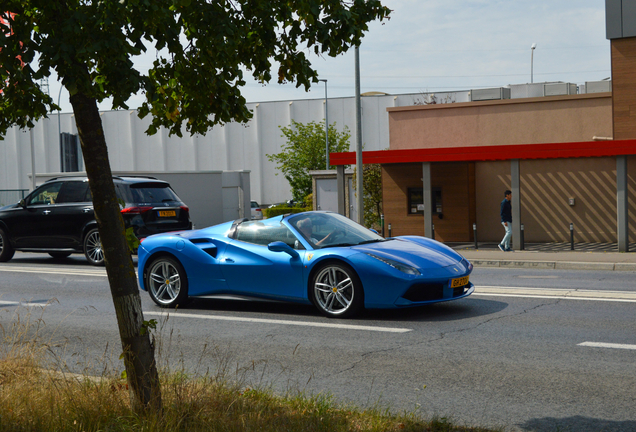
{"x": 457, "y": 181}
{"x": 396, "y": 178}
{"x": 624, "y": 87}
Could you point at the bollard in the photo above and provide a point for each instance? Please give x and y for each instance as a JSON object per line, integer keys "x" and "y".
{"x": 390, "y": 230}
{"x": 433, "y": 231}
{"x": 521, "y": 242}
{"x": 475, "y": 234}
{"x": 571, "y": 236}
{"x": 382, "y": 223}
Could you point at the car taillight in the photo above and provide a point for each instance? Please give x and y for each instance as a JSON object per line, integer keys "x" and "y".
{"x": 136, "y": 209}
{"x": 257, "y": 209}
{"x": 185, "y": 208}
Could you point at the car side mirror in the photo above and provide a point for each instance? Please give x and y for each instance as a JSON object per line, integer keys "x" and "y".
{"x": 279, "y": 246}
{"x": 22, "y": 203}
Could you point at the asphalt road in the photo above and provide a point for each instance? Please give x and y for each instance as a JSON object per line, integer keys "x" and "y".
{"x": 531, "y": 350}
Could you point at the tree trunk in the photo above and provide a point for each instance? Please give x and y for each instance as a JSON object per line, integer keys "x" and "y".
{"x": 139, "y": 356}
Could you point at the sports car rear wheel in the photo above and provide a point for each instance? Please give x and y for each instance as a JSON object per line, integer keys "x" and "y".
{"x": 167, "y": 282}
{"x": 337, "y": 291}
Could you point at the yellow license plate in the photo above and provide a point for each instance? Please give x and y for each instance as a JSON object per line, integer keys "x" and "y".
{"x": 167, "y": 213}
{"x": 459, "y": 282}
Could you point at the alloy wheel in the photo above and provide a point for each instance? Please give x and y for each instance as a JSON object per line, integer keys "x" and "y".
{"x": 93, "y": 248}
{"x": 337, "y": 291}
{"x": 164, "y": 282}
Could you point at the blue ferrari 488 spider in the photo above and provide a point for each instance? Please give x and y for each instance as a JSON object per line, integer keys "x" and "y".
{"x": 318, "y": 258}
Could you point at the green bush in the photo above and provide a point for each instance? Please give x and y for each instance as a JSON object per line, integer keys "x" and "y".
{"x": 309, "y": 201}
{"x": 279, "y": 210}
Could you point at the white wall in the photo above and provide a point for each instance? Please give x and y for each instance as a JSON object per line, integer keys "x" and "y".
{"x": 224, "y": 148}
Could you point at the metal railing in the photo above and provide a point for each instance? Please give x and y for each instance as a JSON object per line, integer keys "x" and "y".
{"x": 12, "y": 196}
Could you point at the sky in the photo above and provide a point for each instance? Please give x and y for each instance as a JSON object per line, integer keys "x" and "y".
{"x": 448, "y": 45}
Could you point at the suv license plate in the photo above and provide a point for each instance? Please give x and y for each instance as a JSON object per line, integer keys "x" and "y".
{"x": 459, "y": 282}
{"x": 167, "y": 213}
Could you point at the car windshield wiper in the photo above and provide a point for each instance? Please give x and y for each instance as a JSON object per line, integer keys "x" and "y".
{"x": 372, "y": 241}
{"x": 354, "y": 244}
{"x": 338, "y": 245}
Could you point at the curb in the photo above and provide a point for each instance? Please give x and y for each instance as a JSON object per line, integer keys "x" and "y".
{"x": 555, "y": 265}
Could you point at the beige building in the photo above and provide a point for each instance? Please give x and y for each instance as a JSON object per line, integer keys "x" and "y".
{"x": 554, "y": 192}
{"x": 567, "y": 168}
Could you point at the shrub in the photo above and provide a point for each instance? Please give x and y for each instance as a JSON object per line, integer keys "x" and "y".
{"x": 275, "y": 211}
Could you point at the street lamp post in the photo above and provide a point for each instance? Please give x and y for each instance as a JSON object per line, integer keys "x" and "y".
{"x": 32, "y": 158}
{"x": 326, "y": 123}
{"x": 534, "y": 45}
{"x": 59, "y": 129}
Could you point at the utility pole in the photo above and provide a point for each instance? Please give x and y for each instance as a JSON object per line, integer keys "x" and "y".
{"x": 359, "y": 188}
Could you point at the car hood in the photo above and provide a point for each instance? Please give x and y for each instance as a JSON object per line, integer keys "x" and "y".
{"x": 7, "y": 207}
{"x": 418, "y": 252}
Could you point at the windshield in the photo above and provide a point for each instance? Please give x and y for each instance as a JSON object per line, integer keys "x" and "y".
{"x": 265, "y": 232}
{"x": 332, "y": 229}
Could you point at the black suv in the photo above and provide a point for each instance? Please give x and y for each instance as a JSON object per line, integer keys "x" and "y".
{"x": 58, "y": 218}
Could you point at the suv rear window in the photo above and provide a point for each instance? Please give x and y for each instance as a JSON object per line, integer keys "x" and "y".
{"x": 149, "y": 193}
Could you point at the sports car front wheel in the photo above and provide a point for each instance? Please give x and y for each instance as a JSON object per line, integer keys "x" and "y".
{"x": 337, "y": 291}
{"x": 167, "y": 282}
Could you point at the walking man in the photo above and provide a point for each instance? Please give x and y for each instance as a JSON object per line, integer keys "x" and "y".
{"x": 506, "y": 221}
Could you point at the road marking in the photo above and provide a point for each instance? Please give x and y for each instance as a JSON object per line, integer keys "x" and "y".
{"x": 284, "y": 322}
{"x": 608, "y": 345}
{"x": 20, "y": 303}
{"x": 557, "y": 293}
{"x": 538, "y": 277}
{"x": 48, "y": 270}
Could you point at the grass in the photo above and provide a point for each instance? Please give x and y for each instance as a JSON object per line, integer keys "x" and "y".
{"x": 37, "y": 393}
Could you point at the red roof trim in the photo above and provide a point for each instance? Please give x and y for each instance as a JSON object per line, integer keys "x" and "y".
{"x": 491, "y": 153}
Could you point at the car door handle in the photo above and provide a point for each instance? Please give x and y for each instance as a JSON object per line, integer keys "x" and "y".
{"x": 228, "y": 260}
{"x": 46, "y": 212}
{"x": 87, "y": 210}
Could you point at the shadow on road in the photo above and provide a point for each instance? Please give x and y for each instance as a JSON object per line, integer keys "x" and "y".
{"x": 46, "y": 259}
{"x": 439, "y": 312}
{"x": 579, "y": 424}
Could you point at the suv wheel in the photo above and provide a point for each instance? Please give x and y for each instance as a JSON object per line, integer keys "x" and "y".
{"x": 93, "y": 248}
{"x": 6, "y": 251}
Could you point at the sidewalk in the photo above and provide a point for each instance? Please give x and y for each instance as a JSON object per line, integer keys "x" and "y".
{"x": 586, "y": 256}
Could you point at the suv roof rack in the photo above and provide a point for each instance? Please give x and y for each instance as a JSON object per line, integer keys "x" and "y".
{"x": 137, "y": 176}
{"x": 65, "y": 177}
{"x": 114, "y": 177}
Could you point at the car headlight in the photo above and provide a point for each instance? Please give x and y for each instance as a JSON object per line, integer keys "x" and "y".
{"x": 467, "y": 264}
{"x": 397, "y": 265}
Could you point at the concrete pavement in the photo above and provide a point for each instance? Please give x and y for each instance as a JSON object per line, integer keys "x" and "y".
{"x": 551, "y": 256}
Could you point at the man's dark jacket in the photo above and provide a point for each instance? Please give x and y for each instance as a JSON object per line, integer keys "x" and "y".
{"x": 506, "y": 211}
